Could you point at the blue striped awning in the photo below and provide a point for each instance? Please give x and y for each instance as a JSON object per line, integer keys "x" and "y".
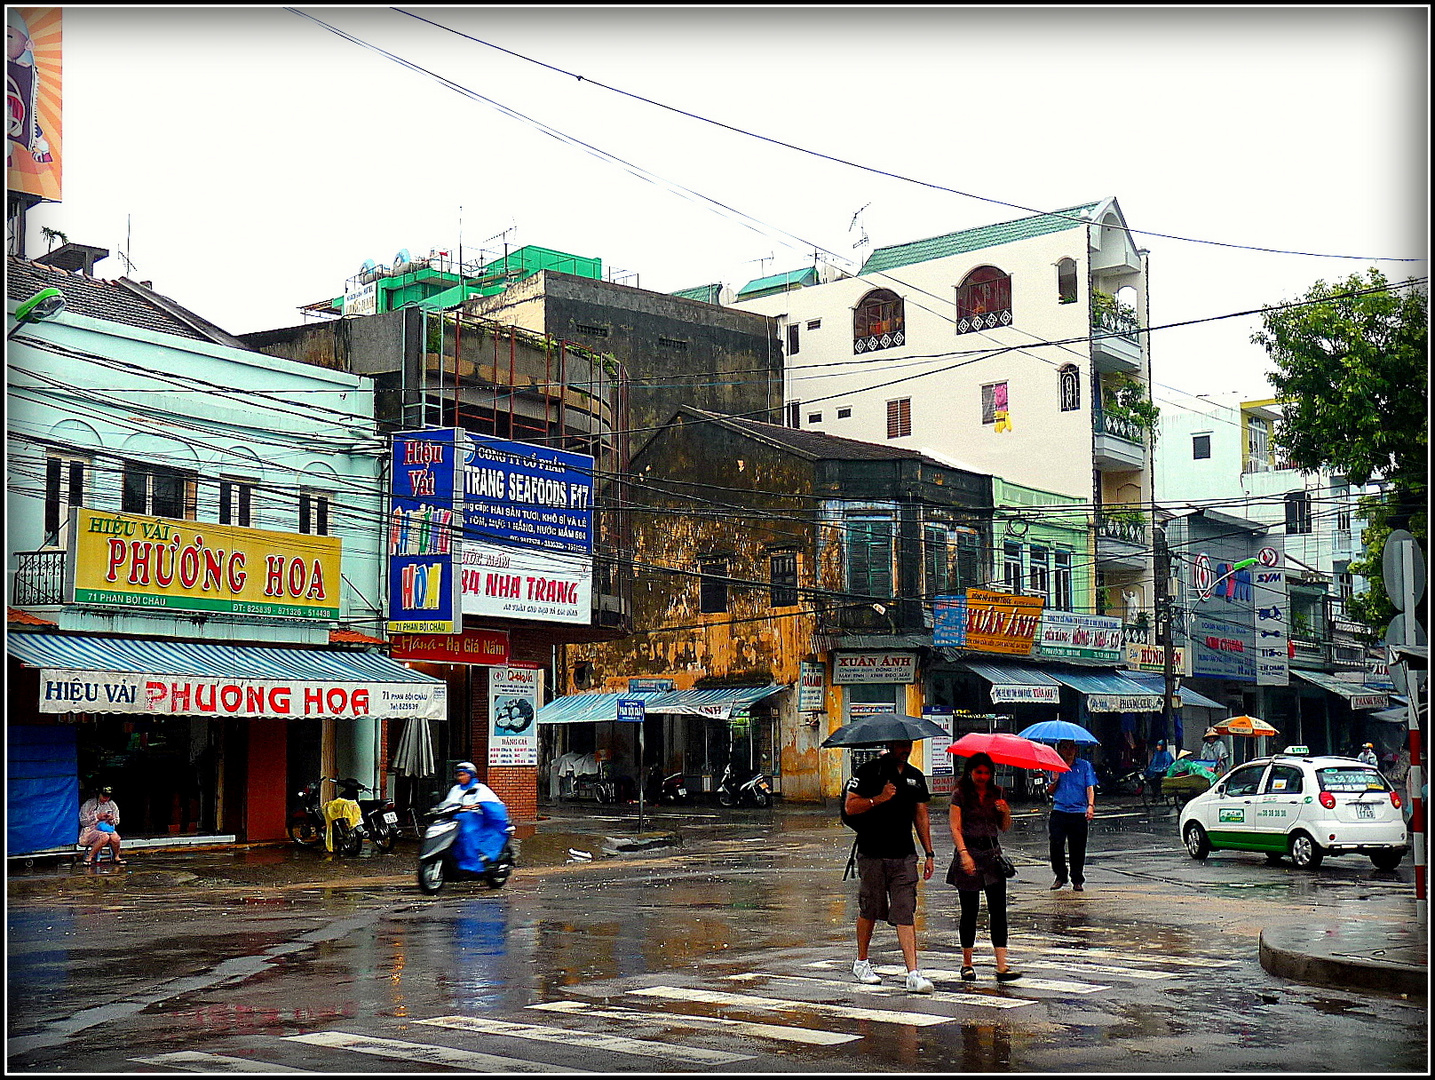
{"x": 111, "y": 674}
{"x": 600, "y": 706}
{"x": 1108, "y": 691}
{"x": 1156, "y": 684}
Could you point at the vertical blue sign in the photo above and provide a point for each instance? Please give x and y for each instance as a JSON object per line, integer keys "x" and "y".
{"x": 424, "y": 532}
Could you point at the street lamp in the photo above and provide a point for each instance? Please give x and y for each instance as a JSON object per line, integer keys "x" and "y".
{"x": 45, "y": 304}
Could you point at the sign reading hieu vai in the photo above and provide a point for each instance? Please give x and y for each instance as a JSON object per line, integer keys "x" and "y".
{"x": 424, "y": 525}
{"x": 149, "y": 563}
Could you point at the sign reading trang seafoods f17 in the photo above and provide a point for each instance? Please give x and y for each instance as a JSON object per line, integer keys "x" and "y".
{"x": 165, "y": 564}
{"x": 422, "y": 532}
{"x": 528, "y": 532}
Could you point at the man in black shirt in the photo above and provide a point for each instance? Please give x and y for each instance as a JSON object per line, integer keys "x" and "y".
{"x": 887, "y": 796}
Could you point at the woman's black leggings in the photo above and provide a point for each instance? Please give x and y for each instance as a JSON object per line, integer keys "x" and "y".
{"x": 996, "y": 914}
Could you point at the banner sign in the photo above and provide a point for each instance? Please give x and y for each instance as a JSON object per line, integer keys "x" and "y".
{"x": 1222, "y": 639}
{"x": 528, "y": 532}
{"x": 1153, "y": 658}
{"x": 166, "y": 564}
{"x": 423, "y": 540}
{"x": 941, "y": 766}
{"x": 638, "y": 685}
{"x": 851, "y": 668}
{"x": 1018, "y": 693}
{"x": 1271, "y": 600}
{"x": 66, "y": 691}
{"x": 811, "y": 688}
{"x": 34, "y": 132}
{"x": 363, "y": 301}
{"x": 1125, "y": 703}
{"x": 986, "y": 621}
{"x": 471, "y": 647}
{"x": 1222, "y": 651}
{"x": 1084, "y": 637}
{"x": 512, "y": 704}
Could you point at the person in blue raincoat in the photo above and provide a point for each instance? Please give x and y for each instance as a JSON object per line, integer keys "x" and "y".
{"x": 1161, "y": 760}
{"x": 483, "y": 822}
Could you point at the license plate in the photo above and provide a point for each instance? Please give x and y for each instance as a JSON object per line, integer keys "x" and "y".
{"x": 682, "y": 793}
{"x": 391, "y": 817}
{"x": 1365, "y": 810}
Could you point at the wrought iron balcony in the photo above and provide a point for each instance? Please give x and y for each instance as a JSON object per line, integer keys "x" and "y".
{"x": 1113, "y": 528}
{"x": 39, "y": 578}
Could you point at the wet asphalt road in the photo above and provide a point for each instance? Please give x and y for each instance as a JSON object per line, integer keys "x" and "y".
{"x": 731, "y": 954}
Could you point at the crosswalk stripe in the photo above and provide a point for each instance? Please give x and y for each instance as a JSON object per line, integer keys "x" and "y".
{"x": 594, "y": 1040}
{"x": 195, "y": 1061}
{"x": 990, "y": 1002}
{"x": 1073, "y": 968}
{"x": 939, "y": 975}
{"x": 424, "y": 1054}
{"x": 783, "y": 1032}
{"x": 1130, "y": 957}
{"x": 753, "y": 1001}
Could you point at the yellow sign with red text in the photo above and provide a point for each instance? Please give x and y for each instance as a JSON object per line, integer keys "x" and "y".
{"x": 165, "y": 564}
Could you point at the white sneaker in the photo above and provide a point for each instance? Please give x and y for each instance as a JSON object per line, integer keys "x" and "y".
{"x": 863, "y": 970}
{"x": 917, "y": 983}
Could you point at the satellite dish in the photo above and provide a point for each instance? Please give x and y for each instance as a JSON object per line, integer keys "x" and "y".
{"x": 402, "y": 257}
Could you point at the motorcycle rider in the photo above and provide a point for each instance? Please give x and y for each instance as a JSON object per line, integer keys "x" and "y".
{"x": 482, "y": 820}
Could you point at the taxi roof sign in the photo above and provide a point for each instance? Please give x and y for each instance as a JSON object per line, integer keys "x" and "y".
{"x": 1297, "y": 751}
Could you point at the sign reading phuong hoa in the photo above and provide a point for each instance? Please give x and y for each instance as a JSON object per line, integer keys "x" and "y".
{"x": 149, "y": 563}
{"x": 423, "y": 524}
{"x": 528, "y": 532}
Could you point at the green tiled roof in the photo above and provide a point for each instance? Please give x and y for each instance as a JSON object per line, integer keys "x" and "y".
{"x": 985, "y": 236}
{"x": 708, "y": 294}
{"x": 779, "y": 282}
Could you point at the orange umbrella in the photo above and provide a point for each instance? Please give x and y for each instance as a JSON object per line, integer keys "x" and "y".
{"x": 1245, "y": 725}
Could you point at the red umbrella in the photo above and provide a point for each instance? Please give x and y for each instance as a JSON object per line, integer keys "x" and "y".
{"x": 1007, "y": 749}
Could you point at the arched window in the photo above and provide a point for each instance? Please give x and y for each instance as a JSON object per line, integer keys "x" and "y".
{"x": 1070, "y": 391}
{"x": 1066, "y": 281}
{"x": 879, "y": 322}
{"x": 983, "y": 300}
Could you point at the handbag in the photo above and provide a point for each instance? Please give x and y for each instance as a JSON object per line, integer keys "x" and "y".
{"x": 1003, "y": 864}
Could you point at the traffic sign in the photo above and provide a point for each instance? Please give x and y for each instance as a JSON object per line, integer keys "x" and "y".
{"x": 1404, "y": 630}
{"x": 1392, "y": 567}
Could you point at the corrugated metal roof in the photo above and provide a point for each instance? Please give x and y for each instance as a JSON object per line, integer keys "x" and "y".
{"x": 599, "y": 706}
{"x": 1101, "y": 682}
{"x": 814, "y": 444}
{"x": 708, "y": 294}
{"x": 194, "y": 659}
{"x": 984, "y": 236}
{"x": 773, "y": 282}
{"x": 1007, "y": 674}
{"x": 1156, "y": 684}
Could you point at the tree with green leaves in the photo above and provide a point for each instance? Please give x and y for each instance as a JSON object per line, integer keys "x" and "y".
{"x": 1351, "y": 368}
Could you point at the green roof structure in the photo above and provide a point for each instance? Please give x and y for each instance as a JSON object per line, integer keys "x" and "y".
{"x": 776, "y": 283}
{"x": 708, "y": 294}
{"x": 985, "y": 236}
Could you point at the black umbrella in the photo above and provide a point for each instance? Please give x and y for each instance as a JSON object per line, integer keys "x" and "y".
{"x": 882, "y": 728}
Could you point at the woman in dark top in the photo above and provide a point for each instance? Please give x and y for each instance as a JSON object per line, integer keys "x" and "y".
{"x": 979, "y": 815}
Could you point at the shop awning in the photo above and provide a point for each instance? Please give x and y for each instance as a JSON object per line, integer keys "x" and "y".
{"x": 1156, "y": 684}
{"x": 1017, "y": 683}
{"x": 1108, "y": 691}
{"x": 600, "y": 706}
{"x": 1357, "y": 694}
{"x": 93, "y": 674}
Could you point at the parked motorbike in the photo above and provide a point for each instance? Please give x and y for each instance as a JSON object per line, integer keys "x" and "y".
{"x": 1127, "y": 782}
{"x": 1037, "y": 784}
{"x": 755, "y": 789}
{"x": 437, "y": 862}
{"x": 381, "y": 820}
{"x": 306, "y": 816}
{"x": 665, "y": 789}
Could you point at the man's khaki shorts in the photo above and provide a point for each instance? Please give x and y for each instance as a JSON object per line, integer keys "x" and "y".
{"x": 888, "y": 889}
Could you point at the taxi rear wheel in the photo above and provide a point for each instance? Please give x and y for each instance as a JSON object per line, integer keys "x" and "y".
{"x": 1198, "y": 845}
{"x": 1387, "y": 860}
{"x": 1305, "y": 852}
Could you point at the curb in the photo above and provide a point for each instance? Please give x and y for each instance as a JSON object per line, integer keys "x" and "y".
{"x": 1345, "y": 972}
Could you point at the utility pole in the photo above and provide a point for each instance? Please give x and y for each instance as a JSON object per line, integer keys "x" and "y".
{"x": 1162, "y": 567}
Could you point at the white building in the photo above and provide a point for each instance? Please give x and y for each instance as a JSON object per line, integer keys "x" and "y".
{"x": 1013, "y": 349}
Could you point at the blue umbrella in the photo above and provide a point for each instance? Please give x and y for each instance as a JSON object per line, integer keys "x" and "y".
{"x": 1052, "y": 731}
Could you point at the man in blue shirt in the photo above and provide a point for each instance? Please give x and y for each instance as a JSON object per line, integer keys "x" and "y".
{"x": 1073, "y": 806}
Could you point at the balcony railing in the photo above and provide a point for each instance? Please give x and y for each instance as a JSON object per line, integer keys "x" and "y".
{"x": 1106, "y": 424}
{"x": 1130, "y": 532}
{"x": 39, "y": 578}
{"x": 1114, "y": 323}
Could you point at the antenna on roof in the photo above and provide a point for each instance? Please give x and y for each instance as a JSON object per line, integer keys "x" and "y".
{"x": 762, "y": 261}
{"x": 853, "y": 223}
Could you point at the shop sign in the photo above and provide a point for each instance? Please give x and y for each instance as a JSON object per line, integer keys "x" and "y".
{"x": 1370, "y": 701}
{"x": 1125, "y": 702}
{"x": 811, "y": 691}
{"x": 423, "y": 524}
{"x": 165, "y": 564}
{"x": 987, "y": 621}
{"x": 1018, "y": 693}
{"x": 528, "y": 532}
{"x": 851, "y": 668}
{"x": 512, "y": 702}
{"x": 649, "y": 686}
{"x": 1068, "y": 634}
{"x": 470, "y": 647}
{"x": 134, "y": 694}
{"x": 1271, "y": 601}
{"x": 940, "y": 764}
{"x": 1153, "y": 658}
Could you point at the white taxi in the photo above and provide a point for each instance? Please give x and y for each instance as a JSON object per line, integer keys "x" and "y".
{"x": 1298, "y": 805}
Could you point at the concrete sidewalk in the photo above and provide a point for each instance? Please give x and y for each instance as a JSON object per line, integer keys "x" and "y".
{"x": 1351, "y": 955}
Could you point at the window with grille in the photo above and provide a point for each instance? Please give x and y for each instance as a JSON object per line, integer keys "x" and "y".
{"x": 1298, "y": 512}
{"x": 869, "y": 555}
{"x": 64, "y": 490}
{"x": 157, "y": 490}
{"x": 1200, "y": 447}
{"x": 984, "y": 300}
{"x": 844, "y": 414}
{"x": 814, "y": 324}
{"x": 782, "y": 578}
{"x": 1061, "y": 581}
{"x": 313, "y": 513}
{"x": 937, "y": 560}
{"x": 994, "y": 400}
{"x": 879, "y": 321}
{"x": 899, "y": 418}
{"x": 814, "y": 418}
{"x": 1069, "y": 382}
{"x": 1011, "y": 566}
{"x": 712, "y": 586}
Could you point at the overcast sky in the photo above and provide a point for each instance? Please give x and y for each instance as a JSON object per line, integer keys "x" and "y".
{"x": 260, "y": 159}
